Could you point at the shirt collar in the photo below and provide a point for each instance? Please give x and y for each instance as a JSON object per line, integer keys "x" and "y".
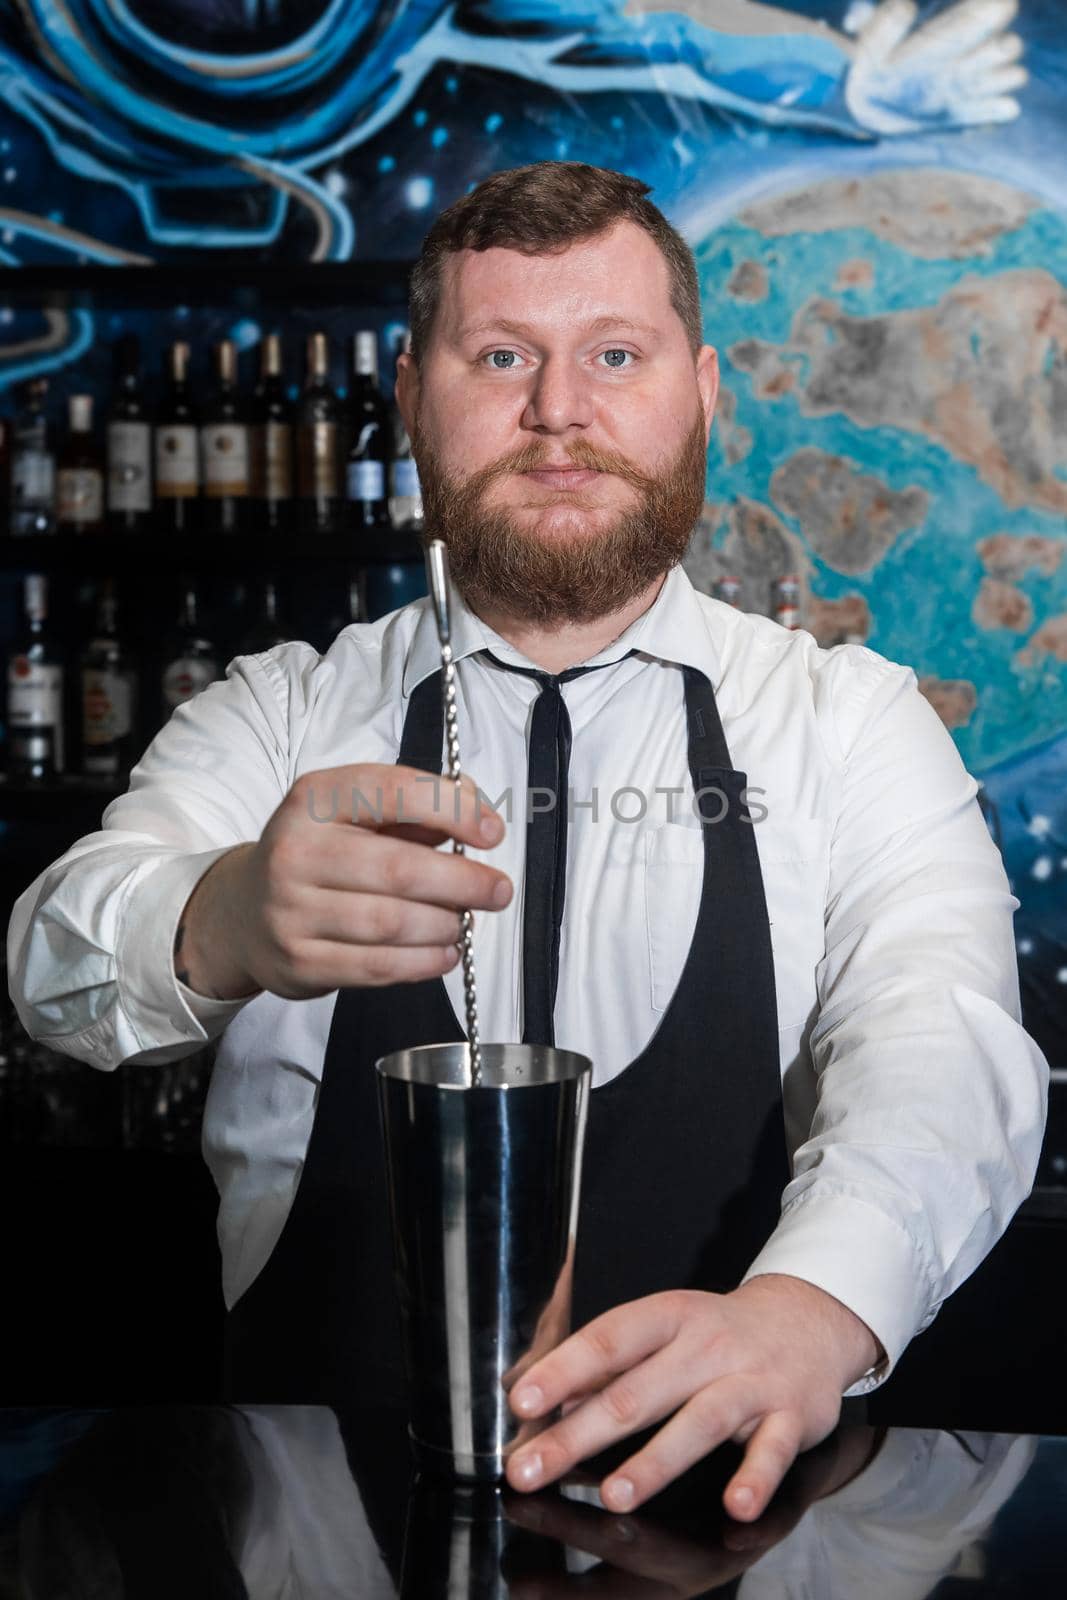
{"x": 674, "y": 628}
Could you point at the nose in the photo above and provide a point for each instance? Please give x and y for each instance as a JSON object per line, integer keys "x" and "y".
{"x": 559, "y": 398}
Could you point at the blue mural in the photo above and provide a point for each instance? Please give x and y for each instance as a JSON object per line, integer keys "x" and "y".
{"x": 877, "y": 200}
{"x": 264, "y": 148}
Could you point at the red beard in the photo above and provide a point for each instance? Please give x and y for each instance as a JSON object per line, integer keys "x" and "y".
{"x": 498, "y": 567}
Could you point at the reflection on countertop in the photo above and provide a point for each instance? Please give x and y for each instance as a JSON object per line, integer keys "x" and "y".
{"x": 281, "y": 1502}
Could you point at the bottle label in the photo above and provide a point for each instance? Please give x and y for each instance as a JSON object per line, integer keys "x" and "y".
{"x": 129, "y": 454}
{"x": 35, "y": 699}
{"x": 406, "y": 478}
{"x": 81, "y": 495}
{"x": 33, "y": 477}
{"x": 186, "y": 676}
{"x": 272, "y": 461}
{"x": 107, "y": 706}
{"x": 366, "y": 480}
{"x": 225, "y": 459}
{"x": 319, "y": 477}
{"x": 177, "y": 462}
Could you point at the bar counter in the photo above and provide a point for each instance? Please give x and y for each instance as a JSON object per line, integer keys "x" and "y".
{"x": 279, "y": 1502}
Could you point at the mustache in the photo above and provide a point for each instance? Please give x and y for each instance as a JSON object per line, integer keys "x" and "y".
{"x": 533, "y": 458}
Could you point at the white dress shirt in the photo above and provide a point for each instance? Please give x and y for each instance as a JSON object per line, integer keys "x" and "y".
{"x": 914, "y": 1101}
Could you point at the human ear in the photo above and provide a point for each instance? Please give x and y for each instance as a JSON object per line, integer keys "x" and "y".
{"x": 707, "y": 376}
{"x": 406, "y": 391}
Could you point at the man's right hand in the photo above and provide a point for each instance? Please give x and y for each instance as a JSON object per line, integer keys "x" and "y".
{"x": 344, "y": 888}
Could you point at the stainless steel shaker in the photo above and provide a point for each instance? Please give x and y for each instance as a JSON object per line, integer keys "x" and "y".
{"x": 484, "y": 1185}
{"x": 483, "y": 1152}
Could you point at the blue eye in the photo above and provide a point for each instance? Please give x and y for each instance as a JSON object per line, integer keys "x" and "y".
{"x": 616, "y": 365}
{"x": 509, "y": 354}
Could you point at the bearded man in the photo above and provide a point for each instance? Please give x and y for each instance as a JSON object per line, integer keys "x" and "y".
{"x": 814, "y": 1109}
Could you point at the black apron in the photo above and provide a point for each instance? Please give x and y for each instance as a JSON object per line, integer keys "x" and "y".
{"x": 685, "y": 1158}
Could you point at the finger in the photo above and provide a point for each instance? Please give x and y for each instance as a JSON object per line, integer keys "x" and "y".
{"x": 643, "y": 1394}
{"x": 368, "y": 966}
{"x": 380, "y": 919}
{"x": 1002, "y": 108}
{"x": 956, "y": 30}
{"x": 1000, "y": 52}
{"x": 999, "y": 82}
{"x": 373, "y": 795}
{"x": 1005, "y": 80}
{"x": 707, "y": 1420}
{"x": 771, "y": 1451}
{"x": 888, "y": 25}
{"x": 413, "y": 832}
{"x": 358, "y": 861}
{"x": 608, "y": 1345}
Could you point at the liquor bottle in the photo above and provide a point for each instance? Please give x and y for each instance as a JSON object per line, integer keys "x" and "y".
{"x": 177, "y": 450}
{"x": 728, "y": 590}
{"x": 269, "y": 626}
{"x": 272, "y": 444}
{"x": 33, "y": 464}
{"x": 786, "y": 600}
{"x": 190, "y": 659}
{"x": 35, "y": 692}
{"x": 80, "y": 498}
{"x": 370, "y": 434}
{"x": 318, "y": 442}
{"x": 109, "y": 693}
{"x": 129, "y": 444}
{"x": 225, "y": 448}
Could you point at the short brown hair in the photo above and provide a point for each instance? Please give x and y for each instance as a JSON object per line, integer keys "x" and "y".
{"x": 540, "y": 210}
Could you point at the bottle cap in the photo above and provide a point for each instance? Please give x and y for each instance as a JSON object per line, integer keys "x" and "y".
{"x": 35, "y": 596}
{"x": 366, "y": 352}
{"x": 80, "y": 413}
{"x": 271, "y": 356}
{"x": 318, "y": 355}
{"x": 226, "y": 361}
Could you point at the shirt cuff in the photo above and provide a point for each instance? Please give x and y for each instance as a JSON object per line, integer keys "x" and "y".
{"x": 160, "y": 1008}
{"x": 209, "y": 1011}
{"x": 855, "y": 1252}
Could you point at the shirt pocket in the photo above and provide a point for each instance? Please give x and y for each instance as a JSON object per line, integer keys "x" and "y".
{"x": 794, "y": 857}
{"x": 674, "y": 876}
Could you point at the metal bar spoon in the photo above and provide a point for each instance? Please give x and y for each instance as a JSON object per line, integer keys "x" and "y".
{"x": 437, "y": 575}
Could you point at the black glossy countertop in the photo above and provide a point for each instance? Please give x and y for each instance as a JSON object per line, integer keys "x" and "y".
{"x": 302, "y": 1503}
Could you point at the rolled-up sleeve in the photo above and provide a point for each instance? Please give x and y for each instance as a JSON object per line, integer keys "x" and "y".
{"x": 90, "y": 942}
{"x": 931, "y": 1096}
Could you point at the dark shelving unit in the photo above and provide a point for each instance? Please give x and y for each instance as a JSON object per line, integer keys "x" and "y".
{"x": 314, "y": 571}
{"x": 131, "y": 1230}
{"x": 226, "y": 555}
{"x": 317, "y": 283}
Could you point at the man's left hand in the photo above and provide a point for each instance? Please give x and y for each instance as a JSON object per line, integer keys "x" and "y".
{"x": 765, "y": 1366}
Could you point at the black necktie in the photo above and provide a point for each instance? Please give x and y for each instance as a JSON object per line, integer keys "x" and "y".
{"x": 546, "y": 845}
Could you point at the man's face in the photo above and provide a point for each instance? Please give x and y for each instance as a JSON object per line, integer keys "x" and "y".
{"x": 560, "y": 425}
